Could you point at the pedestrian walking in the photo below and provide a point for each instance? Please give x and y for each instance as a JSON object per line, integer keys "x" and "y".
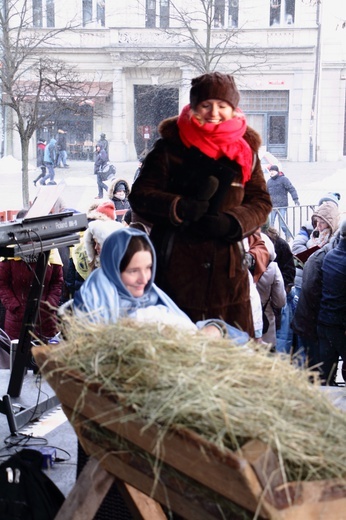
{"x": 41, "y": 145}
{"x": 100, "y": 161}
{"x": 49, "y": 161}
{"x": 104, "y": 143}
{"x": 279, "y": 186}
{"x": 61, "y": 145}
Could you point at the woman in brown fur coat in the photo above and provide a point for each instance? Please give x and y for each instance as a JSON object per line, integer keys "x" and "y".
{"x": 202, "y": 189}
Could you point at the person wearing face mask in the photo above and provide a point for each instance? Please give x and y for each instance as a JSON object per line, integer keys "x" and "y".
{"x": 123, "y": 287}
{"x": 118, "y": 193}
{"x": 202, "y": 190}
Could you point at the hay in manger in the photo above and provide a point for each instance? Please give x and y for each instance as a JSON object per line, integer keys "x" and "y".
{"x": 217, "y": 423}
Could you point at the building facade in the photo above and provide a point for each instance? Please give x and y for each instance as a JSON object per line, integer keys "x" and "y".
{"x": 288, "y": 58}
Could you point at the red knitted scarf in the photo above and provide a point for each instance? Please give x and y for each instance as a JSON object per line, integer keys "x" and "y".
{"x": 215, "y": 141}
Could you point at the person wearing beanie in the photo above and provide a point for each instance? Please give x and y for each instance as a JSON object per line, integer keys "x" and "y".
{"x": 279, "y": 186}
{"x": 202, "y": 190}
{"x": 331, "y": 197}
{"x": 118, "y": 192}
{"x": 331, "y": 323}
{"x": 103, "y": 211}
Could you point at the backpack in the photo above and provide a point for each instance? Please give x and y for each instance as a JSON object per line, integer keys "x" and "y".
{"x": 26, "y": 492}
{"x": 107, "y": 171}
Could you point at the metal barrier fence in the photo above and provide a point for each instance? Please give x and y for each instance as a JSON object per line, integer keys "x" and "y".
{"x": 288, "y": 220}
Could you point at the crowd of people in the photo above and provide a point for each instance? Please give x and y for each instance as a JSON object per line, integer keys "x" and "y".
{"x": 196, "y": 240}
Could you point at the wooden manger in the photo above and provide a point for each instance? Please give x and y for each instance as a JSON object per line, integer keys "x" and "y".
{"x": 183, "y": 472}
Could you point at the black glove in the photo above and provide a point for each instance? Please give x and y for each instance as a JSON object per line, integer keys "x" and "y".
{"x": 220, "y": 225}
{"x": 191, "y": 209}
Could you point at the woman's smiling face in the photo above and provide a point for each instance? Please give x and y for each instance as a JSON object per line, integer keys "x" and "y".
{"x": 138, "y": 273}
{"x": 214, "y": 111}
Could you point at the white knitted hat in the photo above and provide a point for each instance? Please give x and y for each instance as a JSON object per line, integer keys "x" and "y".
{"x": 98, "y": 230}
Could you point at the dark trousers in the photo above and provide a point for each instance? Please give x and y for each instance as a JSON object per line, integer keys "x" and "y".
{"x": 332, "y": 344}
{"x": 101, "y": 185}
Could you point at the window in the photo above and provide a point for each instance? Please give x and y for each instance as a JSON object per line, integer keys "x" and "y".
{"x": 219, "y": 13}
{"x": 150, "y": 13}
{"x": 50, "y": 13}
{"x": 233, "y": 9}
{"x": 101, "y": 12}
{"x": 87, "y": 12}
{"x": 94, "y": 10}
{"x": 43, "y": 13}
{"x": 282, "y": 12}
{"x": 164, "y": 13}
{"x": 37, "y": 13}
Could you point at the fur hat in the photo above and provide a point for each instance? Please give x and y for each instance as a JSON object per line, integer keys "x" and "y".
{"x": 214, "y": 86}
{"x": 98, "y": 230}
{"x": 104, "y": 211}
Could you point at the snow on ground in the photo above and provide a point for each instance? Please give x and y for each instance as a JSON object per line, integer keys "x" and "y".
{"x": 334, "y": 183}
{"x": 9, "y": 164}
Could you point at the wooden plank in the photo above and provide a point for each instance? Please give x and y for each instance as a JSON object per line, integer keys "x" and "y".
{"x": 140, "y": 505}
{"x": 87, "y": 494}
{"x": 228, "y": 474}
{"x": 265, "y": 463}
{"x": 186, "y": 505}
{"x": 225, "y": 473}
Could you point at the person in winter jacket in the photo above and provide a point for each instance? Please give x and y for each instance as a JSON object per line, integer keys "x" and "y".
{"x": 202, "y": 190}
{"x": 304, "y": 322}
{"x": 331, "y": 324}
{"x": 100, "y": 161}
{"x": 272, "y": 291}
{"x": 49, "y": 161}
{"x": 41, "y": 145}
{"x": 61, "y": 146}
{"x": 279, "y": 186}
{"x": 324, "y": 223}
{"x": 118, "y": 192}
{"x": 257, "y": 259}
{"x": 16, "y": 276}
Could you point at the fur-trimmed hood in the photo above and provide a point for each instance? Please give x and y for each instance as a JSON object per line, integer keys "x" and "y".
{"x": 114, "y": 184}
{"x": 98, "y": 230}
{"x": 168, "y": 129}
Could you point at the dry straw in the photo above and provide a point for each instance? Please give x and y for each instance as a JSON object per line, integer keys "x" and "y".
{"x": 227, "y": 394}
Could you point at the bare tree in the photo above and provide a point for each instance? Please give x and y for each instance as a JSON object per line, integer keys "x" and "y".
{"x": 204, "y": 41}
{"x": 211, "y": 48}
{"x": 35, "y": 86}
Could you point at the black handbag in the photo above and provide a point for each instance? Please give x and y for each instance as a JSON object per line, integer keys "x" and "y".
{"x": 107, "y": 171}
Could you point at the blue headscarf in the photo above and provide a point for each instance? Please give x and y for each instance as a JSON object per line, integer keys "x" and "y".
{"x": 105, "y": 298}
{"x": 104, "y": 295}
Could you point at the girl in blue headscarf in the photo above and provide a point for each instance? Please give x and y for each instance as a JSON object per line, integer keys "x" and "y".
{"x": 123, "y": 287}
